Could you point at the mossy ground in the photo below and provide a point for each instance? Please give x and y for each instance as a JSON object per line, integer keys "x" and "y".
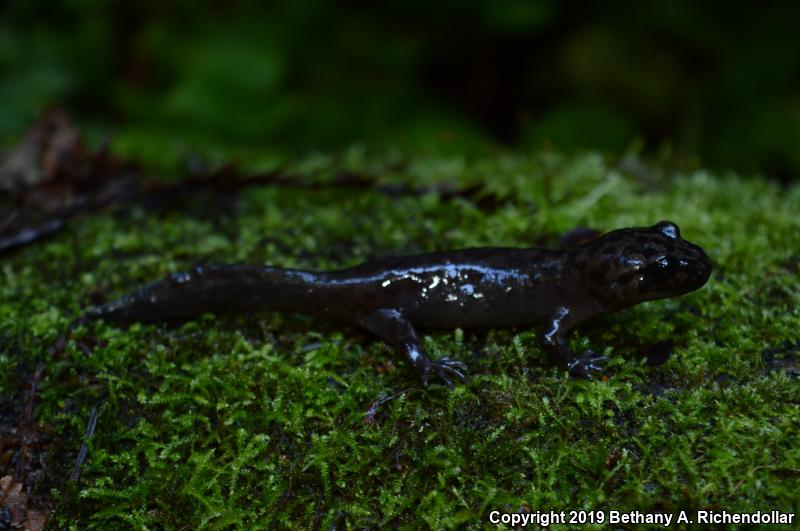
{"x": 260, "y": 419}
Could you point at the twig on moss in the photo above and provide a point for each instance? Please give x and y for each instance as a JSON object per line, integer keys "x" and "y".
{"x": 84, "y": 451}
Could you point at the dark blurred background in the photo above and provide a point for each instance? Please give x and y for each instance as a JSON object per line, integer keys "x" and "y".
{"x": 712, "y": 83}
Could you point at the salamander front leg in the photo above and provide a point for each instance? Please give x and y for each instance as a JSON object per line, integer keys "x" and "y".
{"x": 555, "y": 343}
{"x": 398, "y": 332}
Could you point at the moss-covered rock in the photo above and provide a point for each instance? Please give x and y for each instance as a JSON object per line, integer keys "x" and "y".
{"x": 262, "y": 419}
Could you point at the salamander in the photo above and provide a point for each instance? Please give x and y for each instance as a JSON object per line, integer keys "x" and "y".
{"x": 471, "y": 288}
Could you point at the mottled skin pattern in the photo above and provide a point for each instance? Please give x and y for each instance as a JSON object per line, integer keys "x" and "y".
{"x": 485, "y": 287}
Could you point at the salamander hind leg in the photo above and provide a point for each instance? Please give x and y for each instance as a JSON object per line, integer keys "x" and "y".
{"x": 398, "y": 332}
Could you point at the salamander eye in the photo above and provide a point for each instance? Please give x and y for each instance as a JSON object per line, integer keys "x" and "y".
{"x": 661, "y": 270}
{"x": 668, "y": 229}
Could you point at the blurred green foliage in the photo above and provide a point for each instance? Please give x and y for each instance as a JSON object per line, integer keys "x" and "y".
{"x": 709, "y": 80}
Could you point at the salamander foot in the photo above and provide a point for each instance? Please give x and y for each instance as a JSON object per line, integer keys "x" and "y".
{"x": 587, "y": 365}
{"x": 444, "y": 368}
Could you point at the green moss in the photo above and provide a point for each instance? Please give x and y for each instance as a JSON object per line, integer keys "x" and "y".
{"x": 260, "y": 419}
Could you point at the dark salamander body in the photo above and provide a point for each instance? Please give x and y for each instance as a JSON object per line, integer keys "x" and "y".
{"x": 484, "y": 287}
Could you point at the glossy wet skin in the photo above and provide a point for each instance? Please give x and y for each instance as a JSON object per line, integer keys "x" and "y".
{"x": 486, "y": 287}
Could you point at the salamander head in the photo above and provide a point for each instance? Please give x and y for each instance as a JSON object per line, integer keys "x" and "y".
{"x": 628, "y": 266}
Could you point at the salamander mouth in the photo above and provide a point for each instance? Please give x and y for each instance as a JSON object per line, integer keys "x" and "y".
{"x": 702, "y": 267}
{"x": 703, "y": 273}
